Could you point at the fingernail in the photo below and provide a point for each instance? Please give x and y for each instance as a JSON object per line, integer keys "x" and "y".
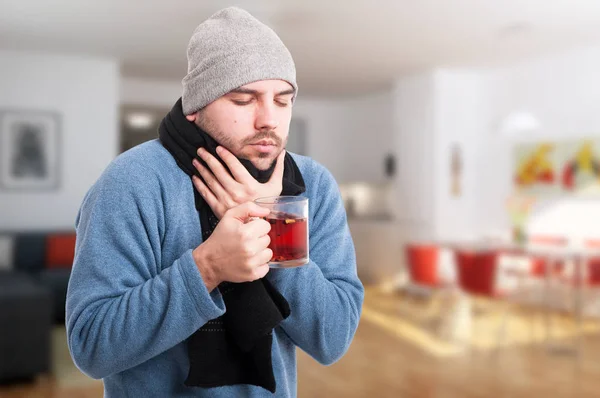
{"x": 195, "y": 163}
{"x": 200, "y": 151}
{"x": 219, "y": 149}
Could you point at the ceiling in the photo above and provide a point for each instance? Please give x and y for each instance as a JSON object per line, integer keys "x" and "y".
{"x": 340, "y": 47}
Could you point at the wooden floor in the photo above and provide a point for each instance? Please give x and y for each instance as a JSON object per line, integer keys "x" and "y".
{"x": 380, "y": 364}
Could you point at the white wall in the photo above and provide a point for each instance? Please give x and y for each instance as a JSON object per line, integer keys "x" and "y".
{"x": 461, "y": 118}
{"x": 84, "y": 92}
{"x": 563, "y": 92}
{"x": 436, "y": 109}
{"x": 433, "y": 111}
{"x": 151, "y": 93}
{"x": 414, "y": 132}
{"x": 368, "y": 135}
{"x": 350, "y": 136}
{"x": 325, "y": 125}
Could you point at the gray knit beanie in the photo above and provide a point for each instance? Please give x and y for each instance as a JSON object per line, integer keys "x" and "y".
{"x": 229, "y": 50}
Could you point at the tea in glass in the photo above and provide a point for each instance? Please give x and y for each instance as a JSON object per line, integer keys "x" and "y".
{"x": 289, "y": 230}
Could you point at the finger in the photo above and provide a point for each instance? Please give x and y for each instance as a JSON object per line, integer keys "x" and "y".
{"x": 257, "y": 247}
{"x": 261, "y": 271}
{"x": 264, "y": 242}
{"x": 247, "y": 210}
{"x": 218, "y": 170}
{"x": 264, "y": 256}
{"x": 238, "y": 171}
{"x": 277, "y": 176}
{"x": 207, "y": 194}
{"x": 214, "y": 184}
{"x": 257, "y": 227}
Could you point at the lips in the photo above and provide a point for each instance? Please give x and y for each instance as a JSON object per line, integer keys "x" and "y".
{"x": 264, "y": 143}
{"x": 264, "y": 146}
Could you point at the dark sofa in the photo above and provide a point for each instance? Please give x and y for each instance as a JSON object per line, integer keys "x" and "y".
{"x": 26, "y": 325}
{"x": 33, "y": 290}
{"x": 47, "y": 257}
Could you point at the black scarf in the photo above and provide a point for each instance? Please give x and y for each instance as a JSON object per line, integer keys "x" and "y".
{"x": 236, "y": 347}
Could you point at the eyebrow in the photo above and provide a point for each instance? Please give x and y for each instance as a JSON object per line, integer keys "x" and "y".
{"x": 241, "y": 90}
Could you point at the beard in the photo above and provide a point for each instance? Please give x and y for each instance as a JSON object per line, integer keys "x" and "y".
{"x": 261, "y": 160}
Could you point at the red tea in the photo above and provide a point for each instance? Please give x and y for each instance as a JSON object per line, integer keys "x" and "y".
{"x": 289, "y": 238}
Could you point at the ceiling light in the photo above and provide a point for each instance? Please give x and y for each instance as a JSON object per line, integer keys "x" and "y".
{"x": 518, "y": 122}
{"x": 139, "y": 120}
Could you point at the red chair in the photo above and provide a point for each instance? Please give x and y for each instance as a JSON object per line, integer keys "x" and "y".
{"x": 465, "y": 262}
{"x": 538, "y": 267}
{"x": 593, "y": 277}
{"x": 550, "y": 264}
{"x": 592, "y": 269}
{"x": 478, "y": 275}
{"x": 422, "y": 261}
{"x": 477, "y": 271}
{"x": 426, "y": 281}
{"x": 539, "y": 263}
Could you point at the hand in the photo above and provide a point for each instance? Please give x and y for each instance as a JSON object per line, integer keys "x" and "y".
{"x": 237, "y": 250}
{"x": 222, "y": 192}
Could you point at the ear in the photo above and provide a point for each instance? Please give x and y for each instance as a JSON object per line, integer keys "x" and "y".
{"x": 192, "y": 117}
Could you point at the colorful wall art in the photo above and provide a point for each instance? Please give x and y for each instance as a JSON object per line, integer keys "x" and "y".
{"x": 552, "y": 168}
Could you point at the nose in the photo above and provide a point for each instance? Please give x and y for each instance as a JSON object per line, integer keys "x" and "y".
{"x": 266, "y": 117}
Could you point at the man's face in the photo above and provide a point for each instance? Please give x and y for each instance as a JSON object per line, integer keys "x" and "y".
{"x": 251, "y": 121}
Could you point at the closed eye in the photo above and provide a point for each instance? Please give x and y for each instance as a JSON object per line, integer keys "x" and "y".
{"x": 242, "y": 103}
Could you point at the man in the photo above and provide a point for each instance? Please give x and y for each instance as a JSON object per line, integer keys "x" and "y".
{"x": 170, "y": 293}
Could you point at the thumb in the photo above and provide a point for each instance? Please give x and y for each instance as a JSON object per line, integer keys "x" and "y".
{"x": 277, "y": 176}
{"x": 246, "y": 211}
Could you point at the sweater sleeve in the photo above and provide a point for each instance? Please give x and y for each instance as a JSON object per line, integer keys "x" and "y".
{"x": 123, "y": 306}
{"x": 325, "y": 295}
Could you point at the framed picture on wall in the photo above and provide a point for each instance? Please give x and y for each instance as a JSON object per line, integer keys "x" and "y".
{"x": 29, "y": 150}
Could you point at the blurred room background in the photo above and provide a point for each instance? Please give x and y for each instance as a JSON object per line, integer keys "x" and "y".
{"x": 465, "y": 138}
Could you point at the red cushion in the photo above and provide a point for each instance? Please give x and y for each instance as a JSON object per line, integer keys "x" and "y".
{"x": 60, "y": 250}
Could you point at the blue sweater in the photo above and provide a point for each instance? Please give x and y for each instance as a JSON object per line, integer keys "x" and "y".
{"x": 135, "y": 294}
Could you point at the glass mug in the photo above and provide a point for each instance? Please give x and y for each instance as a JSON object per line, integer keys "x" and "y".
{"x": 289, "y": 230}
